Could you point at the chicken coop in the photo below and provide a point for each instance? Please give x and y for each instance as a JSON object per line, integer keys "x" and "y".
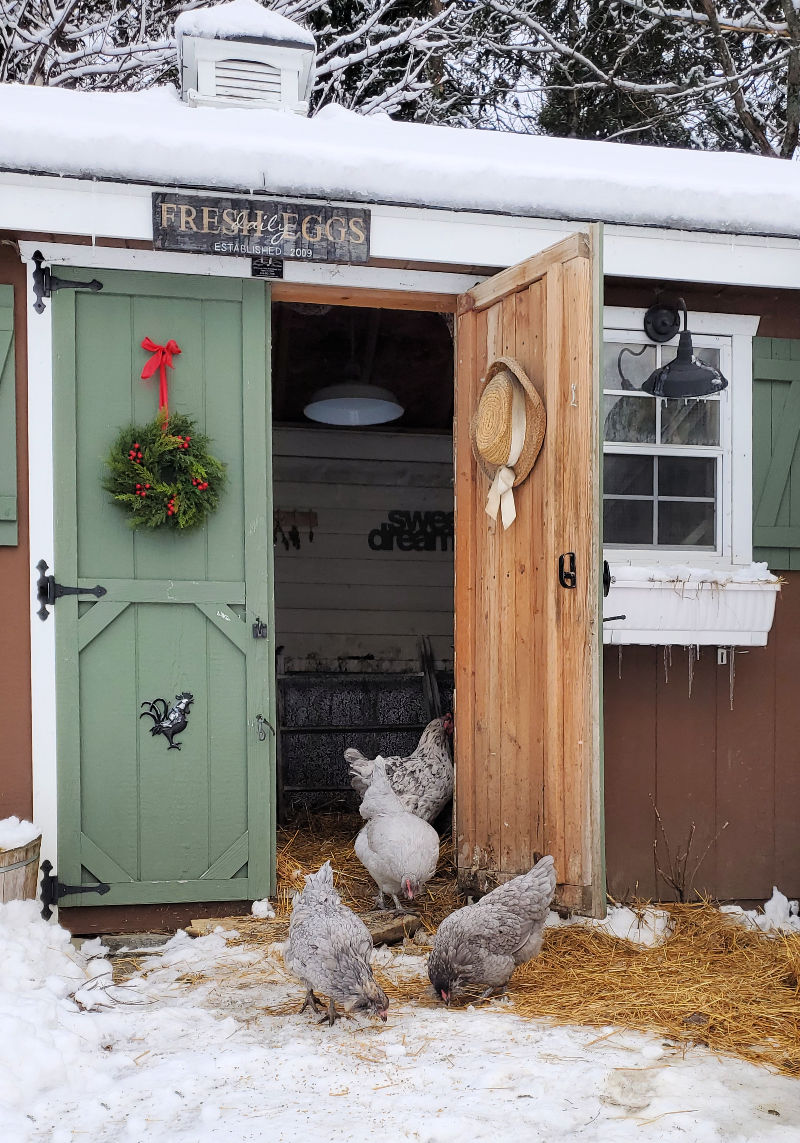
{"x": 322, "y": 310}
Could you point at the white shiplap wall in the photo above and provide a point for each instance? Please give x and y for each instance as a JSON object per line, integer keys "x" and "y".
{"x": 336, "y": 598}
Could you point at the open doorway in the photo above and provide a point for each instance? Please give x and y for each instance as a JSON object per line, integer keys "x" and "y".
{"x": 363, "y": 529}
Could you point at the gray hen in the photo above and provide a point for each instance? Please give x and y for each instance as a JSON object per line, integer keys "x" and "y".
{"x": 423, "y": 781}
{"x": 477, "y": 947}
{"x": 329, "y": 949}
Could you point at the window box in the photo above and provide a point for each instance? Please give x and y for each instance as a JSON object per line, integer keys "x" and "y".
{"x": 688, "y": 605}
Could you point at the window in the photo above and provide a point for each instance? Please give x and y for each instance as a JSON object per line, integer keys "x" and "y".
{"x": 669, "y": 472}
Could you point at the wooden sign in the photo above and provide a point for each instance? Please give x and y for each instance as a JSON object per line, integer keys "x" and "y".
{"x": 259, "y": 228}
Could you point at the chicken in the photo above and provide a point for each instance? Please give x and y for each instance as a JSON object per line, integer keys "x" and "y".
{"x": 477, "y": 948}
{"x": 329, "y": 949}
{"x": 398, "y": 849}
{"x": 423, "y": 781}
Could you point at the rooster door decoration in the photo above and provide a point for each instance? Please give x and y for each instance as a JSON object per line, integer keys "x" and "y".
{"x": 169, "y": 722}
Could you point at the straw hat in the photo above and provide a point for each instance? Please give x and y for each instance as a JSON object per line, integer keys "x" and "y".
{"x": 507, "y": 431}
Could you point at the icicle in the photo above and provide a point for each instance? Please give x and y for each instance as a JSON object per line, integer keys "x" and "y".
{"x": 619, "y": 661}
{"x": 692, "y": 650}
{"x": 731, "y": 673}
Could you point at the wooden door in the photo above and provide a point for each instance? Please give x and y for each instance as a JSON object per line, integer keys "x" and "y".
{"x": 159, "y": 825}
{"x": 527, "y": 650}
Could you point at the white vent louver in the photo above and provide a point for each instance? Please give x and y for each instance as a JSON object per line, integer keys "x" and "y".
{"x": 247, "y": 79}
{"x": 244, "y": 55}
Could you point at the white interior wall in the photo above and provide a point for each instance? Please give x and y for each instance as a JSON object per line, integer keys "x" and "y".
{"x": 337, "y": 598}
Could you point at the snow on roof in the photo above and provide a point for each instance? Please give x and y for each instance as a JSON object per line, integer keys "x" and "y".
{"x": 152, "y": 137}
{"x": 241, "y": 19}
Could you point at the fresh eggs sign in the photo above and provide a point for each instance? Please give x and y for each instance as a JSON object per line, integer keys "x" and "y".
{"x": 253, "y": 228}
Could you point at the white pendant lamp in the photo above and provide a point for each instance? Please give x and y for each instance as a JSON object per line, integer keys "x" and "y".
{"x": 355, "y": 402}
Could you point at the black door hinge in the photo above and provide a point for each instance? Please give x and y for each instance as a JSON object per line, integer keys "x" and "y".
{"x": 48, "y": 591}
{"x": 52, "y": 890}
{"x": 45, "y": 283}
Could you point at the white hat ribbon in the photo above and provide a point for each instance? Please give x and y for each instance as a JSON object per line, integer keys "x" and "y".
{"x": 501, "y": 492}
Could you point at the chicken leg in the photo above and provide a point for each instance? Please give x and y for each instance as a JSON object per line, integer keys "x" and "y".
{"x": 331, "y": 1015}
{"x": 311, "y": 1002}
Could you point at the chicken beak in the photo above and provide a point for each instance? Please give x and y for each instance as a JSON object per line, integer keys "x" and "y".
{"x": 382, "y": 1014}
{"x": 446, "y": 998}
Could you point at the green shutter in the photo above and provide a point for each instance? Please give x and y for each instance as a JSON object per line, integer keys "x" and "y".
{"x": 776, "y": 452}
{"x": 8, "y": 421}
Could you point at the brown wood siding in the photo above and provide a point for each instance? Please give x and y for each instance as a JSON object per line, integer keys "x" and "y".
{"x": 16, "y": 778}
{"x": 705, "y": 763}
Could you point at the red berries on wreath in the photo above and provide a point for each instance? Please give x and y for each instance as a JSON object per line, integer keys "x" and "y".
{"x": 157, "y": 450}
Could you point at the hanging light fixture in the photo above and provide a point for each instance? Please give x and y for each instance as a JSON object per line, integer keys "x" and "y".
{"x": 355, "y": 401}
{"x": 684, "y": 376}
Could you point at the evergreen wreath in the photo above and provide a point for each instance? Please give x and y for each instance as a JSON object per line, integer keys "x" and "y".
{"x": 163, "y": 475}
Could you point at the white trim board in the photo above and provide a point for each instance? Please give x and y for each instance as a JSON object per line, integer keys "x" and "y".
{"x": 41, "y": 533}
{"x": 298, "y": 273}
{"x": 116, "y": 210}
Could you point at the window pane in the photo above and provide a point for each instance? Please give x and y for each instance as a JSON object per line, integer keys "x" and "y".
{"x": 690, "y": 422}
{"x": 705, "y": 354}
{"x": 631, "y": 419}
{"x": 686, "y": 476}
{"x": 635, "y": 369}
{"x": 627, "y": 521}
{"x": 685, "y": 524}
{"x": 628, "y": 475}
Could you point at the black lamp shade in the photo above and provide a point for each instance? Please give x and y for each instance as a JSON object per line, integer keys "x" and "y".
{"x": 683, "y": 376}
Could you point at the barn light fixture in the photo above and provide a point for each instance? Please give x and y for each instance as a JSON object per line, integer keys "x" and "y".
{"x": 353, "y": 403}
{"x": 684, "y": 376}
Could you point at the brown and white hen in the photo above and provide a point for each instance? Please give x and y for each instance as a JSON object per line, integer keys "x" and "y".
{"x": 423, "y": 781}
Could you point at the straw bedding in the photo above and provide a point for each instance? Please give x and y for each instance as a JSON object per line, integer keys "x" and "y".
{"x": 712, "y": 982}
{"x": 331, "y": 837}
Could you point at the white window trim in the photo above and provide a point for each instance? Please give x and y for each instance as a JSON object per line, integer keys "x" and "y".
{"x": 735, "y": 525}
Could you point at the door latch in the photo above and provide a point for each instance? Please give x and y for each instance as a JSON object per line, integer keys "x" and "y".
{"x": 260, "y": 630}
{"x": 567, "y": 575}
{"x": 48, "y": 591}
{"x": 262, "y": 724}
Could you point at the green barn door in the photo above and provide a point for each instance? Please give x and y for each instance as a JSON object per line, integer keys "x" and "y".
{"x": 159, "y": 825}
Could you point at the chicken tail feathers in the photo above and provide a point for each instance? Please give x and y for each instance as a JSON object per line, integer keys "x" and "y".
{"x": 542, "y": 878}
{"x": 322, "y": 879}
{"x": 360, "y": 769}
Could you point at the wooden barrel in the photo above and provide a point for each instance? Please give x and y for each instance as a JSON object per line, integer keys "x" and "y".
{"x": 19, "y": 872}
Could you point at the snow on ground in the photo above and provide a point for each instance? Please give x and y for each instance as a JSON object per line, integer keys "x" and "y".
{"x": 166, "y": 1062}
{"x": 14, "y": 833}
{"x": 263, "y": 909}
{"x": 779, "y": 915}
{"x": 648, "y": 926}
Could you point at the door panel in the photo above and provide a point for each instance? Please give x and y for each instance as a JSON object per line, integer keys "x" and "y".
{"x": 157, "y": 825}
{"x": 527, "y": 650}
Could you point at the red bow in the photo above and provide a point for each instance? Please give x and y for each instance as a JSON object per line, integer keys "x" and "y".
{"x": 162, "y": 357}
